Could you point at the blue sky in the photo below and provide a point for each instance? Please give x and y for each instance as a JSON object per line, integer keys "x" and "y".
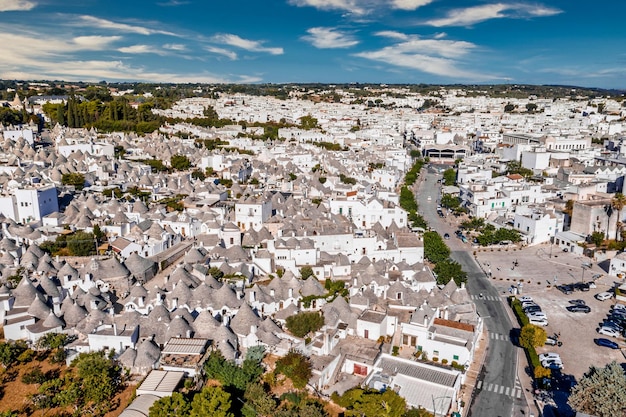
{"x": 571, "y": 42}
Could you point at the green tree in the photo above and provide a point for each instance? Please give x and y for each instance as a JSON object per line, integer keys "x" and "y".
{"x": 175, "y": 405}
{"x": 509, "y": 107}
{"x": 231, "y": 375}
{"x": 435, "y": 249}
{"x": 211, "y": 401}
{"x": 306, "y": 272}
{"x": 601, "y": 392}
{"x": 449, "y": 176}
{"x": 180, "y": 162}
{"x": 10, "y": 351}
{"x": 99, "y": 377}
{"x": 296, "y": 367}
{"x": 451, "y": 202}
{"x": 371, "y": 403}
{"x": 74, "y": 178}
{"x": 308, "y": 122}
{"x": 81, "y": 243}
{"x": 305, "y": 322}
{"x": 597, "y": 238}
{"x": 407, "y": 200}
{"x": 532, "y": 336}
{"x": 531, "y": 107}
{"x": 449, "y": 269}
{"x": 259, "y": 400}
{"x": 197, "y": 174}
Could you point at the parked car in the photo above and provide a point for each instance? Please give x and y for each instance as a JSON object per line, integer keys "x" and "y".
{"x": 538, "y": 322}
{"x": 581, "y": 286}
{"x": 446, "y": 236}
{"x": 549, "y": 355}
{"x": 552, "y": 364}
{"x": 525, "y": 299}
{"x": 612, "y": 324}
{"x": 565, "y": 289}
{"x": 603, "y": 296}
{"x": 606, "y": 343}
{"x": 618, "y": 307}
{"x": 577, "y": 302}
{"x": 537, "y": 315}
{"x": 579, "y": 308}
{"x": 526, "y": 304}
{"x": 608, "y": 331}
{"x": 553, "y": 341}
{"x": 531, "y": 309}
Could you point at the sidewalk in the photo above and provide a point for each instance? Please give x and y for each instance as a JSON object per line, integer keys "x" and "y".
{"x": 472, "y": 373}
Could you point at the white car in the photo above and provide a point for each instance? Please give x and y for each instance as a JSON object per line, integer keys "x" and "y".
{"x": 525, "y": 298}
{"x": 538, "y": 322}
{"x": 602, "y": 296}
{"x": 552, "y": 364}
{"x": 538, "y": 315}
{"x": 619, "y": 307}
{"x": 608, "y": 331}
{"x": 549, "y": 355}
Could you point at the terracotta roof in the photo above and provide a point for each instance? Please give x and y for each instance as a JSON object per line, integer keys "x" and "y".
{"x": 454, "y": 324}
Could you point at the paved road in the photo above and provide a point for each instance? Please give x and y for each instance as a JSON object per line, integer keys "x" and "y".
{"x": 497, "y": 391}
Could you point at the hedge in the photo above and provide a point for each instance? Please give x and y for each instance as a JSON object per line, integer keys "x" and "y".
{"x": 522, "y": 319}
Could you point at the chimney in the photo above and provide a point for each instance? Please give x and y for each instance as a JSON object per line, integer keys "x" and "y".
{"x": 272, "y": 292}
{"x": 252, "y": 296}
{"x": 114, "y": 329}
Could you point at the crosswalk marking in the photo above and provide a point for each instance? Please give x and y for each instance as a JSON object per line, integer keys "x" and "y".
{"x": 497, "y": 336}
{"x": 515, "y": 392}
{"x": 485, "y": 297}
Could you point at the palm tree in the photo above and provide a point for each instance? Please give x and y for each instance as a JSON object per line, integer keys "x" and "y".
{"x": 618, "y": 202}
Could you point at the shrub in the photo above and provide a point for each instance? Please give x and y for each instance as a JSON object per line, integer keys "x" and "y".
{"x": 395, "y": 351}
{"x": 444, "y": 361}
{"x": 435, "y": 359}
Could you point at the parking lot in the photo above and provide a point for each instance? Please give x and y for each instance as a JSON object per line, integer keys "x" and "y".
{"x": 536, "y": 271}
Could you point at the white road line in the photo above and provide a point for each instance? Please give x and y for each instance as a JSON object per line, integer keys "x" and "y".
{"x": 501, "y": 389}
{"x": 480, "y": 384}
{"x": 519, "y": 393}
{"x": 506, "y": 392}
{"x": 489, "y": 387}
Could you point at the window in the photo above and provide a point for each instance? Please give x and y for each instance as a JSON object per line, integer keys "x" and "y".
{"x": 435, "y": 353}
{"x": 455, "y": 357}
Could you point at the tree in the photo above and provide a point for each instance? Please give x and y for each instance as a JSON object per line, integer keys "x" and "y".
{"x": 74, "y": 178}
{"x": 308, "y": 122}
{"x": 435, "y": 249}
{"x": 175, "y": 405}
{"x": 540, "y": 372}
{"x": 601, "y": 392}
{"x": 305, "y": 322}
{"x": 618, "y": 202}
{"x": 509, "y": 107}
{"x": 10, "y": 351}
{"x": 531, "y": 107}
{"x": 257, "y": 398}
{"x": 296, "y": 367}
{"x": 211, "y": 401}
{"x": 451, "y": 202}
{"x": 532, "y": 336}
{"x": 231, "y": 375}
{"x": 180, "y": 162}
{"x": 99, "y": 377}
{"x": 449, "y": 176}
{"x": 81, "y": 244}
{"x": 597, "y": 238}
{"x": 371, "y": 403}
{"x": 449, "y": 269}
{"x": 306, "y": 272}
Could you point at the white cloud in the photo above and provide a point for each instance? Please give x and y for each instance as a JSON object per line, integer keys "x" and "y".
{"x": 96, "y": 22}
{"x": 16, "y": 5}
{"x": 392, "y": 35}
{"x": 472, "y": 15}
{"x": 247, "y": 44}
{"x": 95, "y": 43}
{"x": 434, "y": 56}
{"x": 361, "y": 7}
{"x": 140, "y": 49}
{"x": 221, "y": 51}
{"x": 175, "y": 47}
{"x": 328, "y": 38}
{"x": 410, "y": 4}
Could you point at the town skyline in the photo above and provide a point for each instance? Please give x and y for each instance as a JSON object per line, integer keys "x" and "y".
{"x": 303, "y": 41}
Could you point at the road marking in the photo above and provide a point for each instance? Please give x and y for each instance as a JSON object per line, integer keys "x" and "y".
{"x": 501, "y": 389}
{"x": 506, "y": 392}
{"x": 480, "y": 384}
{"x": 519, "y": 393}
{"x": 489, "y": 387}
{"x": 497, "y": 336}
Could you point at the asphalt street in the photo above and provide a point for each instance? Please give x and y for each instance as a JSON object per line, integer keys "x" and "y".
{"x": 500, "y": 364}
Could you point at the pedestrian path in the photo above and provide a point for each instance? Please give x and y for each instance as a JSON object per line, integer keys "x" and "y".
{"x": 485, "y": 297}
{"x": 513, "y": 392}
{"x": 501, "y": 337}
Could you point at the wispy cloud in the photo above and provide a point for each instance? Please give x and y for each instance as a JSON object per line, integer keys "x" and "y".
{"x": 221, "y": 51}
{"x": 57, "y": 56}
{"x": 141, "y": 49}
{"x": 96, "y": 22}
{"x": 329, "y": 38}
{"x": 16, "y": 5}
{"x": 175, "y": 47}
{"x": 173, "y": 3}
{"x": 361, "y": 7}
{"x": 247, "y": 44}
{"x": 433, "y": 56}
{"x": 472, "y": 15}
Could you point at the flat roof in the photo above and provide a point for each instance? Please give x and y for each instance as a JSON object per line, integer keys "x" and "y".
{"x": 185, "y": 346}
{"x": 393, "y": 366}
{"x": 160, "y": 383}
